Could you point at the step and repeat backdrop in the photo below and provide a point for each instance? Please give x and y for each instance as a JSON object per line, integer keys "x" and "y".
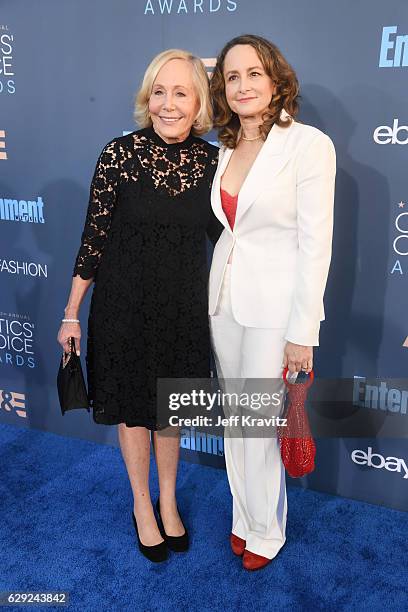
{"x": 68, "y": 74}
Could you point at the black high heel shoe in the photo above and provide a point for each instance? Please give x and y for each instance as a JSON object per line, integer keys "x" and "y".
{"x": 175, "y": 543}
{"x": 156, "y": 553}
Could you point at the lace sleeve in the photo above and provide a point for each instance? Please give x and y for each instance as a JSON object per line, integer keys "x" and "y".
{"x": 102, "y": 200}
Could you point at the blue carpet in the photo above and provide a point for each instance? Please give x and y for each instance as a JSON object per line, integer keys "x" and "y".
{"x": 66, "y": 525}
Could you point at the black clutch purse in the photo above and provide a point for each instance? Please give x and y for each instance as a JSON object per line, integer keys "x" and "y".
{"x": 72, "y": 391}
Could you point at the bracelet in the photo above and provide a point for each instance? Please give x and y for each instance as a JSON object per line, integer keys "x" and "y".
{"x": 70, "y": 320}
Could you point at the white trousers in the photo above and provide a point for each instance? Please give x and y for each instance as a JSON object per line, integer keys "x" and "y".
{"x": 255, "y": 471}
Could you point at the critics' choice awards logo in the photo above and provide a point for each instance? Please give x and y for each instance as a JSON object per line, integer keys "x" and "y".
{"x": 7, "y": 83}
{"x": 189, "y": 7}
{"x": 400, "y": 240}
{"x": 16, "y": 340}
{"x": 26, "y": 211}
{"x": 13, "y": 402}
{"x": 394, "y": 48}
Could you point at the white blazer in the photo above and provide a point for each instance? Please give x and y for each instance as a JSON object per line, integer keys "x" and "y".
{"x": 282, "y": 237}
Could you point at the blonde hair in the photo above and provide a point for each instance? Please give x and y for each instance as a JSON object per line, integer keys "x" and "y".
{"x": 203, "y": 122}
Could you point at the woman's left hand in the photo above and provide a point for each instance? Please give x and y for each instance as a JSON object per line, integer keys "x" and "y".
{"x": 297, "y": 357}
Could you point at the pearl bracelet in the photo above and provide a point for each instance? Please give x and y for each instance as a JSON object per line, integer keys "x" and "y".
{"x": 70, "y": 320}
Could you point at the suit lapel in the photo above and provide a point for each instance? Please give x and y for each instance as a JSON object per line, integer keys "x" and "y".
{"x": 268, "y": 163}
{"x": 215, "y": 192}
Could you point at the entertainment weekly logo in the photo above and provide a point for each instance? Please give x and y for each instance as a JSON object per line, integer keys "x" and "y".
{"x": 17, "y": 336}
{"x": 24, "y": 211}
{"x": 393, "y": 49}
{"x": 189, "y": 7}
{"x": 379, "y": 397}
{"x": 7, "y": 82}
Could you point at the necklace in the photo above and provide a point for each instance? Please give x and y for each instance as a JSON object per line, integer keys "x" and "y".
{"x": 249, "y": 139}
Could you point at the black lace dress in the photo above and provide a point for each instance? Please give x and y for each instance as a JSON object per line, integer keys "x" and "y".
{"x": 144, "y": 244}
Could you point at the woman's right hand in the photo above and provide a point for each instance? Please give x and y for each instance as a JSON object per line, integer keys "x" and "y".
{"x": 70, "y": 330}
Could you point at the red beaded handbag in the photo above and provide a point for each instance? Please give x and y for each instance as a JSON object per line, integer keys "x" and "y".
{"x": 297, "y": 446}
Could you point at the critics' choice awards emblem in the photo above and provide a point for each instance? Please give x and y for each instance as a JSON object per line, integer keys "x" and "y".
{"x": 16, "y": 340}
{"x": 7, "y": 75}
{"x": 400, "y": 238}
{"x": 189, "y": 7}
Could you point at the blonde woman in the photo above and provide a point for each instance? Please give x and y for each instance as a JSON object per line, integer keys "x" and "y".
{"x": 144, "y": 248}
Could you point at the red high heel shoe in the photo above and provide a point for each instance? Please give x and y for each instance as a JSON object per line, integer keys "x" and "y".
{"x": 237, "y": 545}
{"x": 252, "y": 561}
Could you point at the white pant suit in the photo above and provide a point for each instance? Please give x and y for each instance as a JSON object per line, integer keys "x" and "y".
{"x": 255, "y": 471}
{"x": 270, "y": 293}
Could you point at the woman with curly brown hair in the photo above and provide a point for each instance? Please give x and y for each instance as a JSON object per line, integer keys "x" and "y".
{"x": 273, "y": 191}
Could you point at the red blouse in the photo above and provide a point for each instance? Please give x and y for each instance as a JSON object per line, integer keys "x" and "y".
{"x": 229, "y": 206}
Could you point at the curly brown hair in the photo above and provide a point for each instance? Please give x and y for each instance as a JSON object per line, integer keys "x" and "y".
{"x": 275, "y": 66}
